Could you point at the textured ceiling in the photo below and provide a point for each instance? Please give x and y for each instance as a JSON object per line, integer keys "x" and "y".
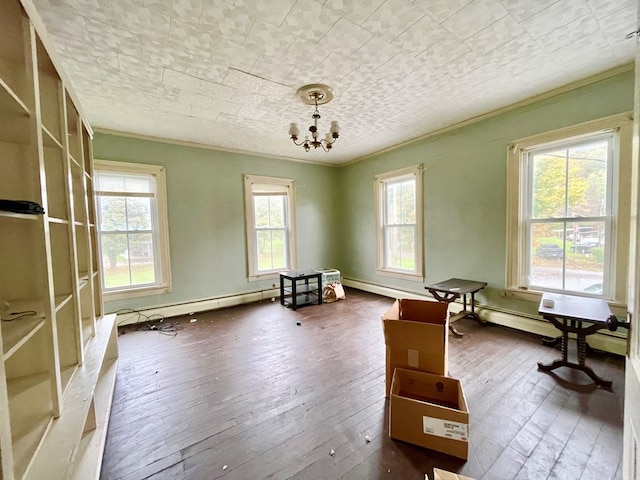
{"x": 224, "y": 72}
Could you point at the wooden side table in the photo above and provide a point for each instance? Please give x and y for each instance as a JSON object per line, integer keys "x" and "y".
{"x": 567, "y": 313}
{"x": 450, "y": 290}
{"x": 300, "y": 287}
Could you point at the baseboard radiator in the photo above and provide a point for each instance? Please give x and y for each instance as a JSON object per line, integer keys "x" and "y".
{"x": 612, "y": 342}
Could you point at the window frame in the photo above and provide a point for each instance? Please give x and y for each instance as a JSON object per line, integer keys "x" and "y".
{"x": 160, "y": 231}
{"x": 288, "y": 186}
{"x": 518, "y": 202}
{"x": 380, "y": 181}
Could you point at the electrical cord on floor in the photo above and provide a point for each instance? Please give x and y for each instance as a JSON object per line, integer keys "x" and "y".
{"x": 154, "y": 322}
{"x": 18, "y": 315}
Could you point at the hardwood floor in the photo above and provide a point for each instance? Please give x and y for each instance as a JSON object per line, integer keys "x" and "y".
{"x": 246, "y": 393}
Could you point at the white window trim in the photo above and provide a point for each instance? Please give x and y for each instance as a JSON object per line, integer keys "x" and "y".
{"x": 252, "y": 273}
{"x": 163, "y": 228}
{"x": 621, "y": 186}
{"x": 415, "y": 171}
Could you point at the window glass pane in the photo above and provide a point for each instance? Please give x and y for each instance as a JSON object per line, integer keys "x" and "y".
{"x": 115, "y": 262}
{"x": 585, "y": 257}
{"x": 407, "y": 242}
{"x": 138, "y": 213}
{"x": 112, "y": 214}
{"x": 269, "y": 211}
{"x": 393, "y": 205}
{"x": 271, "y": 248}
{"x": 141, "y": 258}
{"x": 393, "y": 247}
{"x": 264, "y": 248}
{"x": 587, "y": 186}
{"x": 279, "y": 249}
{"x": 548, "y": 255}
{"x": 261, "y": 211}
{"x": 276, "y": 211}
{"x": 127, "y": 260}
{"x": 109, "y": 183}
{"x": 409, "y": 201}
{"x": 117, "y": 182}
{"x": 139, "y": 184}
{"x": 575, "y": 264}
{"x": 549, "y": 184}
{"x": 400, "y": 202}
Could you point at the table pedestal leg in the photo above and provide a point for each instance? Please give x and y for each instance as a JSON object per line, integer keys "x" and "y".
{"x": 582, "y": 355}
{"x": 448, "y": 298}
{"x": 552, "y": 342}
{"x": 455, "y": 332}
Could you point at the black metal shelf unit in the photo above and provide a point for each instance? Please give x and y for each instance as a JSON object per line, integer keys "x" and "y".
{"x": 300, "y": 287}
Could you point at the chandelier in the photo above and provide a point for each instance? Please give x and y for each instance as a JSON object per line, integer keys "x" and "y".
{"x": 315, "y": 94}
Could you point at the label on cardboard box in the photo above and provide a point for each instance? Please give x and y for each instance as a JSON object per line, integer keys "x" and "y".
{"x": 445, "y": 428}
{"x": 413, "y": 358}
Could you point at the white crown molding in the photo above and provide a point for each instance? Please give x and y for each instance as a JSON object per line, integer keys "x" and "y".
{"x": 494, "y": 113}
{"x": 184, "y": 143}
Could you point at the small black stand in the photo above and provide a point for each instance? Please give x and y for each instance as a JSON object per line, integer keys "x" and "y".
{"x": 299, "y": 288}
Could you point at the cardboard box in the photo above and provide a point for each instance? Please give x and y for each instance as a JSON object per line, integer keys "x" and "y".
{"x": 444, "y": 475}
{"x": 429, "y": 410}
{"x": 416, "y": 335}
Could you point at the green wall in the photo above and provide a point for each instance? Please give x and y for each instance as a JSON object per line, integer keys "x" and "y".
{"x": 465, "y": 191}
{"x": 205, "y": 194}
{"x": 464, "y": 202}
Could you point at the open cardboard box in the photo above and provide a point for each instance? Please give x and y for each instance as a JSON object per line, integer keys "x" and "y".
{"x": 430, "y": 411}
{"x": 416, "y": 336}
{"x": 444, "y": 475}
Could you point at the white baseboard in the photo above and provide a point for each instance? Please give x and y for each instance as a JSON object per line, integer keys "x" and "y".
{"x": 612, "y": 342}
{"x": 199, "y": 305}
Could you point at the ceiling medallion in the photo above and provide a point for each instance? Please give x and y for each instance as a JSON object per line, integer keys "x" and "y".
{"x": 315, "y": 94}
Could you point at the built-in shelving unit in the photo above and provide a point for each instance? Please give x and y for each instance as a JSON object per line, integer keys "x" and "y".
{"x": 58, "y": 352}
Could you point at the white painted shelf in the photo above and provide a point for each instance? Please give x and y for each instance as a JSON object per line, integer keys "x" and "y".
{"x": 57, "y": 365}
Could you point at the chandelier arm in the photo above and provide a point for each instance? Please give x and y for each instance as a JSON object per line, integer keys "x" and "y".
{"x": 298, "y": 144}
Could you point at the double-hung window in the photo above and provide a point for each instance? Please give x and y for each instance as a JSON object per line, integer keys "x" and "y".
{"x": 399, "y": 223}
{"x": 567, "y": 211}
{"x": 269, "y": 204}
{"x": 132, "y": 229}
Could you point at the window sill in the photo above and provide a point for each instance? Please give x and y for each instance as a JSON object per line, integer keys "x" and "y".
{"x": 266, "y": 276}
{"x": 522, "y": 294}
{"x": 135, "y": 292}
{"x": 414, "y": 277}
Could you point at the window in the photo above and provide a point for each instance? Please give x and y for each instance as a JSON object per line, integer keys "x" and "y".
{"x": 399, "y": 223}
{"x": 270, "y": 224}
{"x": 568, "y": 214}
{"x": 132, "y": 229}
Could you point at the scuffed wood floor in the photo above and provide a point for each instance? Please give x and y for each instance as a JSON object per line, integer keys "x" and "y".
{"x": 246, "y": 393}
